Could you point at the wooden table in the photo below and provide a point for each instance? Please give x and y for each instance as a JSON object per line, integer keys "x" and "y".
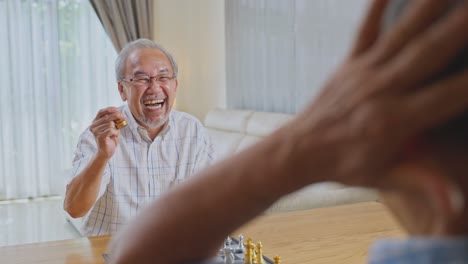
{"x": 340, "y": 234}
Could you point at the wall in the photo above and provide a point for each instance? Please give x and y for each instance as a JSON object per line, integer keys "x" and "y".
{"x": 193, "y": 31}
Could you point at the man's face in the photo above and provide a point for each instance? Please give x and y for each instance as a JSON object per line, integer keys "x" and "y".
{"x": 149, "y": 103}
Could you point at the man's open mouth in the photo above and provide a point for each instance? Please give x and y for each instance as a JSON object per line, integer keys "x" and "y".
{"x": 154, "y": 103}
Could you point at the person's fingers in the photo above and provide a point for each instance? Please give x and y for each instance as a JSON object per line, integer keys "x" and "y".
{"x": 432, "y": 52}
{"x": 106, "y": 111}
{"x": 107, "y": 132}
{"x": 116, "y": 139}
{"x": 370, "y": 28}
{"x": 104, "y": 126}
{"x": 103, "y": 129}
{"x": 100, "y": 122}
{"x": 109, "y": 117}
{"x": 415, "y": 19}
{"x": 431, "y": 106}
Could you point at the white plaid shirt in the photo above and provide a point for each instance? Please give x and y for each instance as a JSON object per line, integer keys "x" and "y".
{"x": 140, "y": 169}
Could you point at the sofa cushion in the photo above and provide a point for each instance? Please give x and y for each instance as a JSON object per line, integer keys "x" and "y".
{"x": 262, "y": 124}
{"x": 224, "y": 142}
{"x": 232, "y": 120}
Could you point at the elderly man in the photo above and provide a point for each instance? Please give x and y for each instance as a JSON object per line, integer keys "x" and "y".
{"x": 381, "y": 121}
{"x": 118, "y": 170}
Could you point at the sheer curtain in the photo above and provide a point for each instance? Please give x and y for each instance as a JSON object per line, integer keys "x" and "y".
{"x": 56, "y": 72}
{"x": 279, "y": 52}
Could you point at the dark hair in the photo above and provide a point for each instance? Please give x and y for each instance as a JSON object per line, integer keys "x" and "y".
{"x": 454, "y": 132}
{"x": 396, "y": 8}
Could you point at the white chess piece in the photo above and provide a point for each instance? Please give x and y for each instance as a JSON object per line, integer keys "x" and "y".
{"x": 228, "y": 256}
{"x": 228, "y": 242}
{"x": 241, "y": 246}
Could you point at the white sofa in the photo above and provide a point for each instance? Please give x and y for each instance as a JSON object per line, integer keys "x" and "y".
{"x": 234, "y": 130}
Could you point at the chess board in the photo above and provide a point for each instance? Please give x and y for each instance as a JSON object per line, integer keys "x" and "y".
{"x": 238, "y": 255}
{"x": 219, "y": 258}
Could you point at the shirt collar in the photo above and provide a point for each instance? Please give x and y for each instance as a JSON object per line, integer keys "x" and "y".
{"x": 138, "y": 130}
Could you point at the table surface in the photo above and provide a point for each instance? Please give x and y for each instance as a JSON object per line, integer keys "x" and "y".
{"x": 340, "y": 234}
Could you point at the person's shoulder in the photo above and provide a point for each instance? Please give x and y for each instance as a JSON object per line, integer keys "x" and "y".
{"x": 183, "y": 117}
{"x": 188, "y": 124}
{"x": 122, "y": 107}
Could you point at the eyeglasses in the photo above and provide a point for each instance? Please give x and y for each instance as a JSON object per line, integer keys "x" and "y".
{"x": 144, "y": 80}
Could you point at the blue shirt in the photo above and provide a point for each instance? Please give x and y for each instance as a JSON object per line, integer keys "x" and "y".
{"x": 420, "y": 250}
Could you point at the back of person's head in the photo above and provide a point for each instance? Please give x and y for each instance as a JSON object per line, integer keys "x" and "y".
{"x": 139, "y": 44}
{"x": 430, "y": 188}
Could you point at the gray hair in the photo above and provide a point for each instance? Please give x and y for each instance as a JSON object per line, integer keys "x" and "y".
{"x": 138, "y": 44}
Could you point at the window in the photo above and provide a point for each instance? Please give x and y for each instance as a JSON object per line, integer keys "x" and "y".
{"x": 279, "y": 52}
{"x": 57, "y": 70}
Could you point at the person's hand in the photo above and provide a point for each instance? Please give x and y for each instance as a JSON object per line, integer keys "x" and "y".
{"x": 105, "y": 131}
{"x": 390, "y": 90}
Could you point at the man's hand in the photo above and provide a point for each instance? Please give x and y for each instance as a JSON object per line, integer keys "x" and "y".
{"x": 390, "y": 90}
{"x": 105, "y": 131}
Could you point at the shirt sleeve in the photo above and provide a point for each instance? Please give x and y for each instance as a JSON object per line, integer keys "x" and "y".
{"x": 84, "y": 153}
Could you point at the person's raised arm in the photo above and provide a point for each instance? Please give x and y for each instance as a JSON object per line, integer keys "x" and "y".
{"x": 83, "y": 190}
{"x": 368, "y": 112}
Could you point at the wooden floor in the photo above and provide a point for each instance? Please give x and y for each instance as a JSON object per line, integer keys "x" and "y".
{"x": 33, "y": 221}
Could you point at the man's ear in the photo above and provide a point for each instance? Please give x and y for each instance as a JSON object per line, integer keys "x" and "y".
{"x": 445, "y": 198}
{"x": 123, "y": 93}
{"x": 424, "y": 199}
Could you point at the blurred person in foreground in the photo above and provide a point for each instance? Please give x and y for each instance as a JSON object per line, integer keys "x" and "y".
{"x": 391, "y": 118}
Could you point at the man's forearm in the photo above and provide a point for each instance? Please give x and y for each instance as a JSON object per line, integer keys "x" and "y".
{"x": 226, "y": 196}
{"x": 83, "y": 190}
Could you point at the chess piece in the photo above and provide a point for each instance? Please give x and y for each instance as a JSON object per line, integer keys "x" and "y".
{"x": 249, "y": 253}
{"x": 253, "y": 252}
{"x": 248, "y": 242}
{"x": 121, "y": 123}
{"x": 247, "y": 257}
{"x": 241, "y": 247}
{"x": 259, "y": 257}
{"x": 229, "y": 257}
{"x": 227, "y": 242}
{"x": 277, "y": 260}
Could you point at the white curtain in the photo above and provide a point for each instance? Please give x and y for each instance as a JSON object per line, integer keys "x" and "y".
{"x": 56, "y": 72}
{"x": 279, "y": 52}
